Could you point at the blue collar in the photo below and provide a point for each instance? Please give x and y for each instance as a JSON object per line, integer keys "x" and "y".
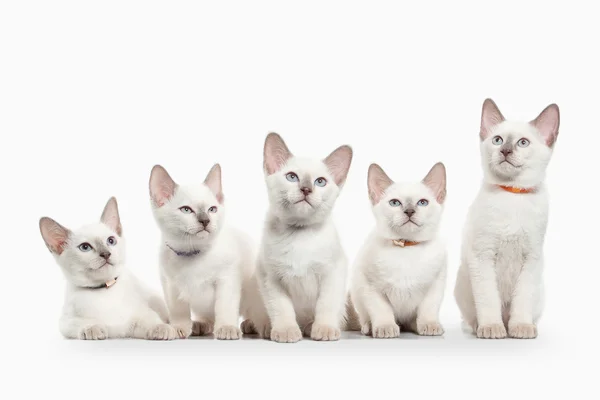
{"x": 184, "y": 253}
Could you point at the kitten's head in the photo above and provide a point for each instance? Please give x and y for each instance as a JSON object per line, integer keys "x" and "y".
{"x": 517, "y": 153}
{"x": 409, "y": 211}
{"x": 303, "y": 191}
{"x": 91, "y": 255}
{"x": 187, "y": 215}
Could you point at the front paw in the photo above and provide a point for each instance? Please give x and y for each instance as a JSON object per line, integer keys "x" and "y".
{"x": 522, "y": 331}
{"x": 365, "y": 329}
{"x": 325, "y": 332}
{"x": 228, "y": 332}
{"x": 201, "y": 328}
{"x": 491, "y": 331}
{"x": 386, "y": 331}
{"x": 183, "y": 328}
{"x": 430, "y": 329}
{"x": 93, "y": 332}
{"x": 290, "y": 334}
{"x": 162, "y": 332}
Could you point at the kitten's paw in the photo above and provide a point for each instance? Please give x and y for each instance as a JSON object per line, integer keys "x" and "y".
{"x": 325, "y": 332}
{"x": 202, "y": 328}
{"x": 386, "y": 331}
{"x": 264, "y": 331}
{"x": 162, "y": 332}
{"x": 93, "y": 332}
{"x": 184, "y": 328}
{"x": 522, "y": 331}
{"x": 492, "y": 331}
{"x": 228, "y": 332}
{"x": 290, "y": 334}
{"x": 365, "y": 329}
{"x": 430, "y": 329}
{"x": 248, "y": 327}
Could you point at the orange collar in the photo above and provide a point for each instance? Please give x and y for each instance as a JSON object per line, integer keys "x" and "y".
{"x": 403, "y": 243}
{"x": 513, "y": 189}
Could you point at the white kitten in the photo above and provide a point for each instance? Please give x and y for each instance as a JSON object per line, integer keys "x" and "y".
{"x": 203, "y": 261}
{"x": 499, "y": 283}
{"x": 103, "y": 300}
{"x": 400, "y": 272}
{"x": 302, "y": 267}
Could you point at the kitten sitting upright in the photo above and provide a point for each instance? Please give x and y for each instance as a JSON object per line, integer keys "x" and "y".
{"x": 301, "y": 269}
{"x": 400, "y": 272}
{"x": 203, "y": 262}
{"x": 103, "y": 300}
{"x": 499, "y": 284}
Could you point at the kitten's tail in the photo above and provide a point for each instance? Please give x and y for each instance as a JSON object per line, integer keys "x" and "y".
{"x": 351, "y": 321}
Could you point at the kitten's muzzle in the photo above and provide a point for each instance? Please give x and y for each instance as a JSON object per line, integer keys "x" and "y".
{"x": 105, "y": 255}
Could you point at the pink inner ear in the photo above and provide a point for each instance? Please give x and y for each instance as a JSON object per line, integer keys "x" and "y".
{"x": 436, "y": 181}
{"x": 55, "y": 235}
{"x": 275, "y": 153}
{"x": 213, "y": 181}
{"x": 338, "y": 163}
{"x": 378, "y": 182}
{"x": 547, "y": 123}
{"x": 110, "y": 216}
{"x": 162, "y": 187}
{"x": 490, "y": 117}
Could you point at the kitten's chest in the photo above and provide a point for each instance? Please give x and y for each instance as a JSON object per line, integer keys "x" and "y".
{"x": 115, "y": 305}
{"x": 407, "y": 269}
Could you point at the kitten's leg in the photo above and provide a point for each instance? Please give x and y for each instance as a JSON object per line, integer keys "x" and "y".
{"x": 521, "y": 323}
{"x": 227, "y": 308}
{"x": 486, "y": 295}
{"x": 330, "y": 306}
{"x": 427, "y": 321}
{"x": 157, "y": 304}
{"x": 380, "y": 313}
{"x": 463, "y": 294}
{"x": 284, "y": 328}
{"x": 81, "y": 328}
{"x": 149, "y": 325}
{"x": 179, "y": 311}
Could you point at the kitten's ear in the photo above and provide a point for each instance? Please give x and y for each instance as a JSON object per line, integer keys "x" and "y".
{"x": 213, "y": 181}
{"x": 275, "y": 153}
{"x": 55, "y": 235}
{"x": 338, "y": 163}
{"x": 162, "y": 187}
{"x": 110, "y": 216}
{"x": 378, "y": 182}
{"x": 547, "y": 123}
{"x": 490, "y": 117}
{"x": 436, "y": 181}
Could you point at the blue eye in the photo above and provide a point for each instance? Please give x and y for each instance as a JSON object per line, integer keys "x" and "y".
{"x": 292, "y": 177}
{"x": 497, "y": 140}
{"x": 321, "y": 182}
{"x": 523, "y": 143}
{"x": 213, "y": 209}
{"x": 111, "y": 241}
{"x": 85, "y": 247}
{"x": 422, "y": 202}
{"x": 395, "y": 203}
{"x": 186, "y": 210}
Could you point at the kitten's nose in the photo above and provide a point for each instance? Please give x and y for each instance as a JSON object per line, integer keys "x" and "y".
{"x": 105, "y": 255}
{"x": 306, "y": 190}
{"x": 410, "y": 212}
{"x": 506, "y": 152}
{"x": 204, "y": 221}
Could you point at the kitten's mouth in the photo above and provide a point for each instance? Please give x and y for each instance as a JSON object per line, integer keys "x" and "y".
{"x": 506, "y": 161}
{"x": 410, "y": 221}
{"x": 304, "y": 200}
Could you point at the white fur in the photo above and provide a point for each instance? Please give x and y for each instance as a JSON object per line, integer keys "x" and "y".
{"x": 127, "y": 308}
{"x": 499, "y": 286}
{"x": 208, "y": 285}
{"x": 395, "y": 286}
{"x": 301, "y": 271}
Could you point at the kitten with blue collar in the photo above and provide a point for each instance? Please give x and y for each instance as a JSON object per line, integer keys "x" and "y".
{"x": 103, "y": 300}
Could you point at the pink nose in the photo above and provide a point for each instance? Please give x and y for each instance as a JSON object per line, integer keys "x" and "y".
{"x": 306, "y": 190}
{"x": 506, "y": 152}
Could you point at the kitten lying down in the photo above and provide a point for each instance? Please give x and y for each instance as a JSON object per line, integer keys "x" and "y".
{"x": 103, "y": 300}
{"x": 400, "y": 272}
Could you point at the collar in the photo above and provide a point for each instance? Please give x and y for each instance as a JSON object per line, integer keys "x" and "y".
{"x": 404, "y": 243}
{"x": 513, "y": 189}
{"x": 184, "y": 253}
{"x": 105, "y": 285}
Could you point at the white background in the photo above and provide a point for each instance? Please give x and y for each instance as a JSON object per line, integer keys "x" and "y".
{"x": 93, "y": 94}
